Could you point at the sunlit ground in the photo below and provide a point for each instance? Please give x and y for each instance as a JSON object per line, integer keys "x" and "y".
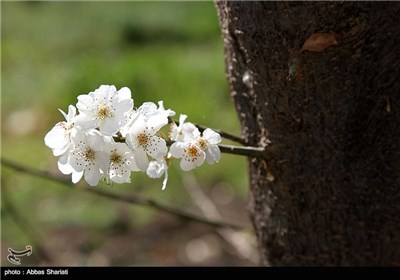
{"x": 51, "y": 53}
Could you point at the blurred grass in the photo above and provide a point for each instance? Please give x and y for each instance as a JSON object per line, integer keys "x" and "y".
{"x": 54, "y": 51}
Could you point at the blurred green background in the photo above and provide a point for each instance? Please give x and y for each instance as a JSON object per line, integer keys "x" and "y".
{"x": 171, "y": 51}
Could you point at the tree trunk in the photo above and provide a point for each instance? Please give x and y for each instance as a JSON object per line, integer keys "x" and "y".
{"x": 330, "y": 195}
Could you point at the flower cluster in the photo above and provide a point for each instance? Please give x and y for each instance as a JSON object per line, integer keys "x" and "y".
{"x": 110, "y": 138}
{"x": 192, "y": 146}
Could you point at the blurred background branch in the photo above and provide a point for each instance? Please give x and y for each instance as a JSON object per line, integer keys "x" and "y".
{"x": 131, "y": 199}
{"x": 243, "y": 245}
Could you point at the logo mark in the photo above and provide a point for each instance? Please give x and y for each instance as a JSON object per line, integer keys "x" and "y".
{"x": 13, "y": 256}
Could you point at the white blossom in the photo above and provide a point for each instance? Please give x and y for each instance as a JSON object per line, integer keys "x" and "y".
{"x": 157, "y": 168}
{"x": 130, "y": 117}
{"x": 59, "y": 137}
{"x": 64, "y": 166}
{"x": 105, "y": 108}
{"x": 110, "y": 138}
{"x": 122, "y": 162}
{"x": 149, "y": 109}
{"x": 87, "y": 157}
{"x": 142, "y": 139}
{"x": 183, "y": 132}
{"x": 208, "y": 142}
{"x": 192, "y": 155}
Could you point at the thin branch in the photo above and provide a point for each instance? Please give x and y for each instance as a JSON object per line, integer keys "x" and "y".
{"x": 254, "y": 152}
{"x": 243, "y": 247}
{"x": 132, "y": 199}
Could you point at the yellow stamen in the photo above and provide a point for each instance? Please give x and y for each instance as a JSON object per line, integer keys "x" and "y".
{"x": 143, "y": 139}
{"x": 193, "y": 152}
{"x": 203, "y": 144}
{"x": 89, "y": 154}
{"x": 104, "y": 112}
{"x": 115, "y": 157}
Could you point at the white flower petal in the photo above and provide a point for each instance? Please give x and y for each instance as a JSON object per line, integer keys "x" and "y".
{"x": 64, "y": 166}
{"x": 131, "y": 165}
{"x": 168, "y": 112}
{"x": 92, "y": 176}
{"x": 147, "y": 108}
{"x": 213, "y": 154}
{"x": 182, "y": 119}
{"x": 123, "y": 106}
{"x": 141, "y": 159}
{"x": 119, "y": 169}
{"x": 155, "y": 169}
{"x": 119, "y": 175}
{"x": 53, "y": 137}
{"x": 71, "y": 113}
{"x": 64, "y": 114}
{"x": 164, "y": 185}
{"x": 130, "y": 162}
{"x": 200, "y": 160}
{"x": 84, "y": 103}
{"x": 76, "y": 176}
{"x": 190, "y": 132}
{"x": 103, "y": 160}
{"x": 77, "y": 163}
{"x": 211, "y": 136}
{"x": 157, "y": 147}
{"x": 187, "y": 165}
{"x": 176, "y": 130}
{"x": 124, "y": 93}
{"x": 96, "y": 140}
{"x": 177, "y": 150}
{"x": 63, "y": 159}
{"x": 129, "y": 119}
{"x": 193, "y": 157}
{"x": 109, "y": 92}
{"x": 105, "y": 90}
{"x": 60, "y": 151}
{"x": 56, "y": 137}
{"x": 109, "y": 126}
{"x": 86, "y": 121}
{"x": 122, "y": 148}
{"x": 156, "y": 122}
{"x": 138, "y": 128}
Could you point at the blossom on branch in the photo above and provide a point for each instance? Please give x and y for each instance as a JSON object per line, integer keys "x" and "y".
{"x": 157, "y": 168}
{"x": 105, "y": 108}
{"x": 142, "y": 140}
{"x": 110, "y": 139}
{"x": 59, "y": 137}
{"x": 122, "y": 162}
{"x": 87, "y": 157}
{"x": 208, "y": 142}
{"x": 192, "y": 155}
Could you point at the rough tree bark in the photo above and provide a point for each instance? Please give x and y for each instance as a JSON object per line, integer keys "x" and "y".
{"x": 331, "y": 193}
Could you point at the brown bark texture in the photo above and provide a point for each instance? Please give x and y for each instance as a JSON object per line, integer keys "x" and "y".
{"x": 330, "y": 114}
